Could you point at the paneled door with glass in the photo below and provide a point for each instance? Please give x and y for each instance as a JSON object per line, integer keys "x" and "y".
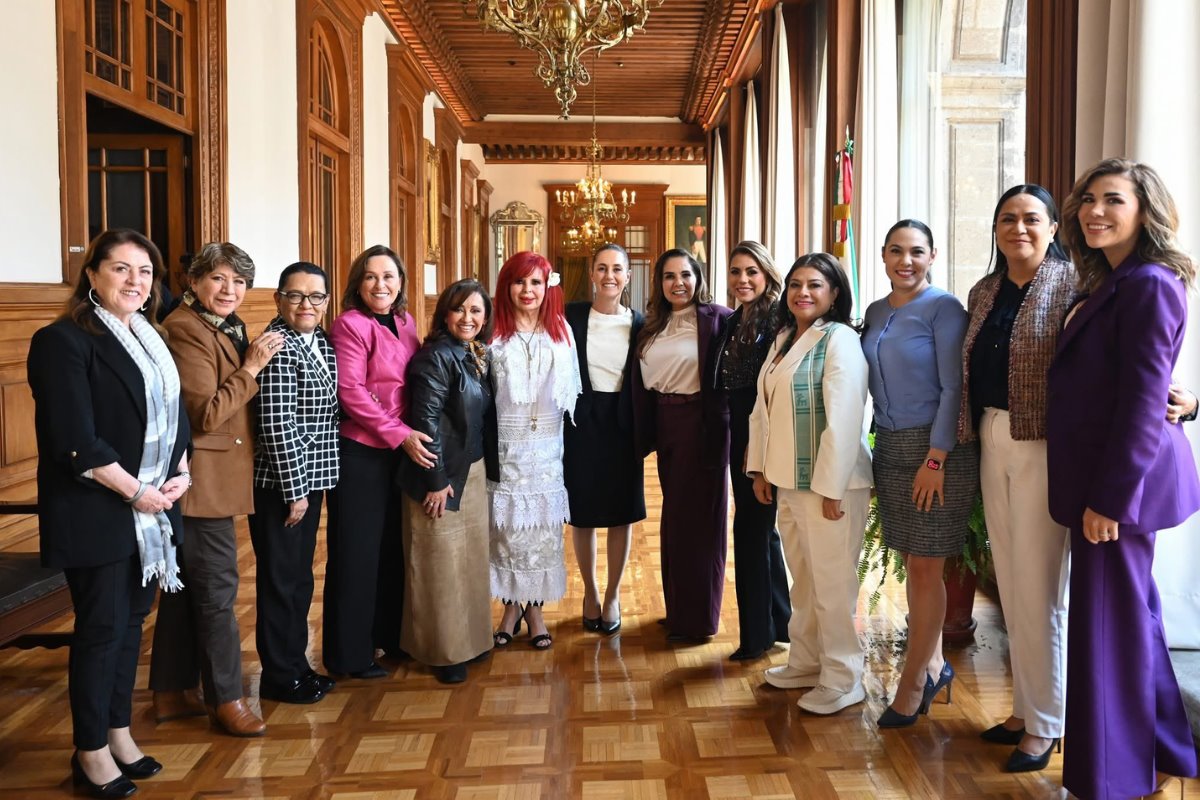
{"x": 137, "y": 181}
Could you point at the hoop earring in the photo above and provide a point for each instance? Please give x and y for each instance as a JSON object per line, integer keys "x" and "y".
{"x": 145, "y": 306}
{"x": 92, "y": 297}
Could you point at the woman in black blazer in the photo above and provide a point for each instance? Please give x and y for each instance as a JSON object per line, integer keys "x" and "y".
{"x": 295, "y": 463}
{"x": 112, "y": 438}
{"x": 764, "y": 607}
{"x": 601, "y": 466}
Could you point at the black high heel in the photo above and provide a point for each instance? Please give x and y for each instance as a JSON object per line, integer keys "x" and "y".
{"x": 891, "y": 718}
{"x": 591, "y": 624}
{"x": 945, "y": 679}
{"x": 609, "y": 628}
{"x": 998, "y": 734}
{"x": 119, "y": 786}
{"x": 1020, "y": 761}
{"x": 503, "y": 638}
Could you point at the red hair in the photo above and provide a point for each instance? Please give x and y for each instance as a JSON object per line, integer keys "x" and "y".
{"x": 550, "y": 315}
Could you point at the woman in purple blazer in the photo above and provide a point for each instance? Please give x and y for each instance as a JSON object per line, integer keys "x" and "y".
{"x": 679, "y": 412}
{"x": 1118, "y": 472}
{"x": 374, "y": 338}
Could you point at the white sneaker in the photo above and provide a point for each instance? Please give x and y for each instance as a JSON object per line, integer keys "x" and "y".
{"x": 788, "y": 677}
{"x": 823, "y": 700}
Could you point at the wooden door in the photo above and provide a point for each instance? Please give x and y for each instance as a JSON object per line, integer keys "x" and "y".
{"x": 137, "y": 181}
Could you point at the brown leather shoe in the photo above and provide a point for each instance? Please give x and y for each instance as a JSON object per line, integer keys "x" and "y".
{"x": 236, "y": 719}
{"x": 177, "y": 705}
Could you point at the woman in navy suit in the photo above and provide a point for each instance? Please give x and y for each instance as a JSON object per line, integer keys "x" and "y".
{"x": 686, "y": 420}
{"x": 1119, "y": 472}
{"x": 112, "y": 434}
{"x": 601, "y": 466}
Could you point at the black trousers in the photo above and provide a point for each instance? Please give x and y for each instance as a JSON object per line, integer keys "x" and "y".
{"x": 110, "y": 606}
{"x": 284, "y": 581}
{"x": 196, "y": 637}
{"x": 364, "y": 572}
{"x": 761, "y": 584}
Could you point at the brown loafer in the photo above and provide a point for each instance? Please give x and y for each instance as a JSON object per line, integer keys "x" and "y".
{"x": 177, "y": 705}
{"x": 236, "y": 719}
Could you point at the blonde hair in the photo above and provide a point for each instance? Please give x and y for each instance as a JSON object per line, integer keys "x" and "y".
{"x": 1156, "y": 241}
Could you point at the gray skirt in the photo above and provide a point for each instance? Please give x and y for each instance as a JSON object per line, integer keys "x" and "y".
{"x": 942, "y": 531}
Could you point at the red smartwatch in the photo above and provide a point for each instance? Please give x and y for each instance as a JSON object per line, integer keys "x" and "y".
{"x": 933, "y": 464}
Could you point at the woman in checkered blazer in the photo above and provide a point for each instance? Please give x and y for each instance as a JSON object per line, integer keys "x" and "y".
{"x": 295, "y": 462}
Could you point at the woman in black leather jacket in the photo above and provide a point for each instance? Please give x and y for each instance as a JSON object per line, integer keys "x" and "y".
{"x": 447, "y": 619}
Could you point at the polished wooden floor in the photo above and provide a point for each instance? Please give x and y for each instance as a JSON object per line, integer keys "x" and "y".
{"x": 626, "y": 717}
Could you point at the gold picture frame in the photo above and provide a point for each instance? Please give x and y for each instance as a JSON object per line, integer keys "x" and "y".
{"x": 687, "y": 225}
{"x": 433, "y": 205}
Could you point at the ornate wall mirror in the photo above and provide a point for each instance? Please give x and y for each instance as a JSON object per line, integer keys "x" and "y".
{"x": 516, "y": 227}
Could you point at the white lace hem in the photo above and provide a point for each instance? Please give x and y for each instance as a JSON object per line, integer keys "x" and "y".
{"x": 547, "y": 585}
{"x": 524, "y": 510}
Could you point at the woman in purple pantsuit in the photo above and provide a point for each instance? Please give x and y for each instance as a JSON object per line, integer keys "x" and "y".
{"x": 1118, "y": 472}
{"x": 679, "y": 412}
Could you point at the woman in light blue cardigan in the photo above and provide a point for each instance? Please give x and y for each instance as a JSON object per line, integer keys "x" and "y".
{"x": 808, "y": 445}
{"x": 925, "y": 484}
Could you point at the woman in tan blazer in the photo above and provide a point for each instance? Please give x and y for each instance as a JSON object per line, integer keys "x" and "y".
{"x": 196, "y": 637}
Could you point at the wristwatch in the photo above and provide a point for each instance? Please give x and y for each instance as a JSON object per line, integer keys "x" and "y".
{"x": 933, "y": 464}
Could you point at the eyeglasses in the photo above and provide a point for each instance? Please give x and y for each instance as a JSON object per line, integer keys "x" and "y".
{"x": 296, "y": 298}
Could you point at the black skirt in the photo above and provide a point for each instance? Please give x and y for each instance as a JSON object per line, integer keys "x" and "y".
{"x": 603, "y": 474}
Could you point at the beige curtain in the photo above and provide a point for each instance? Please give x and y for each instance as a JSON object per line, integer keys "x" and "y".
{"x": 1137, "y": 68}
{"x": 752, "y": 227}
{"x": 877, "y": 147}
{"x": 919, "y": 170}
{"x": 817, "y": 158}
{"x": 779, "y": 221}
{"x": 717, "y": 219}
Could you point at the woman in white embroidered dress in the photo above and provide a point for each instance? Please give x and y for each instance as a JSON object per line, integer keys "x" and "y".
{"x": 536, "y": 378}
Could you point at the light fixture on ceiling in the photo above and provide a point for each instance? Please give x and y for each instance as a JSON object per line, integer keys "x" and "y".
{"x": 590, "y": 211}
{"x": 561, "y": 32}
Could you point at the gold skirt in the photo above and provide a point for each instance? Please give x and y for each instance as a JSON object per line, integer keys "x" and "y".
{"x": 447, "y": 616}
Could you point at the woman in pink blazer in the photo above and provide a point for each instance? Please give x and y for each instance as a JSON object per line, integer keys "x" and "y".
{"x": 364, "y": 575}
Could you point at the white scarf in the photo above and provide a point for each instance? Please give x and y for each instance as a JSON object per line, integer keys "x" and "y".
{"x": 161, "y": 379}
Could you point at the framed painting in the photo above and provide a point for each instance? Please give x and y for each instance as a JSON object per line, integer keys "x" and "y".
{"x": 687, "y": 225}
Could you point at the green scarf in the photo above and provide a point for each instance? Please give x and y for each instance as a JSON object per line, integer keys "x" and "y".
{"x": 808, "y": 402}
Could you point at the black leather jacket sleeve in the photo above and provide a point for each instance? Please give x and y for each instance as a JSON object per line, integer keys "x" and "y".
{"x": 429, "y": 381}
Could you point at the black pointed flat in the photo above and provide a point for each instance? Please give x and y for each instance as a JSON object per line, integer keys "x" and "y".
{"x": 144, "y": 767}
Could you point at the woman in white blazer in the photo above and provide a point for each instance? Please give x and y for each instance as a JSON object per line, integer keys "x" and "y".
{"x": 808, "y": 444}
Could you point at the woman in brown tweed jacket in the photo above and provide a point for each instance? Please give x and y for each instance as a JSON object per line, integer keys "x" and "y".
{"x": 1016, "y": 313}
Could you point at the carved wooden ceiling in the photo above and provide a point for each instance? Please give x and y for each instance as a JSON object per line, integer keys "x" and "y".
{"x": 675, "y": 68}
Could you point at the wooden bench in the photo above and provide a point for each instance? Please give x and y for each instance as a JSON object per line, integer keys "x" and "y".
{"x": 30, "y": 595}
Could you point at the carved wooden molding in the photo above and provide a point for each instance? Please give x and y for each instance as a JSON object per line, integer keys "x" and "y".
{"x": 422, "y": 33}
{"x": 212, "y": 206}
{"x": 581, "y": 154}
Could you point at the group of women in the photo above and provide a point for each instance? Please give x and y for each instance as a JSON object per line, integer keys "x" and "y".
{"x": 451, "y": 464}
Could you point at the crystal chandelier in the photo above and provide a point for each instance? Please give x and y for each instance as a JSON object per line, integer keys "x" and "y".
{"x": 561, "y": 32}
{"x": 590, "y": 210}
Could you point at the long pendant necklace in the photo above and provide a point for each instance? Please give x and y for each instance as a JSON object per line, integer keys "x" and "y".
{"x": 528, "y": 345}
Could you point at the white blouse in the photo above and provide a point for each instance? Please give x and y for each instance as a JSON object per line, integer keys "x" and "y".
{"x": 607, "y": 348}
{"x": 671, "y": 363}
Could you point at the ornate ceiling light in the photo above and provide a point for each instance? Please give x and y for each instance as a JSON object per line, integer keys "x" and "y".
{"x": 562, "y": 31}
{"x": 590, "y": 211}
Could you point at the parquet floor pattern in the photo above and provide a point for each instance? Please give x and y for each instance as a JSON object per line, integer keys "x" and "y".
{"x": 626, "y": 718}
